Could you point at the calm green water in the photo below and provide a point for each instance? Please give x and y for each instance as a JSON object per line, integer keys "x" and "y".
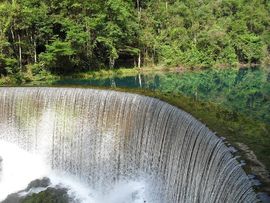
{"x": 245, "y": 91}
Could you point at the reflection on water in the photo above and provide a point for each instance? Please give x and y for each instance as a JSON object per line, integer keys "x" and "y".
{"x": 244, "y": 91}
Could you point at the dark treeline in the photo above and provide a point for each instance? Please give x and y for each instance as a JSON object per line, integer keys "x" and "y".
{"x": 67, "y": 36}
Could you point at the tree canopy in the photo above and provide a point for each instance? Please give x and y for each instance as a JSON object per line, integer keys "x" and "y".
{"x": 67, "y": 36}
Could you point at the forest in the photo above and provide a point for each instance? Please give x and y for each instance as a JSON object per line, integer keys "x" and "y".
{"x": 43, "y": 37}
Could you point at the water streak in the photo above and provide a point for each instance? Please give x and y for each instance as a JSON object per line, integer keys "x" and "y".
{"x": 107, "y": 137}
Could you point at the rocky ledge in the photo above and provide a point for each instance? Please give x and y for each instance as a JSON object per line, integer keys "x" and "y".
{"x": 40, "y": 191}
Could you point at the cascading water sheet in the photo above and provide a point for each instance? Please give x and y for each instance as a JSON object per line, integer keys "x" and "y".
{"x": 107, "y": 138}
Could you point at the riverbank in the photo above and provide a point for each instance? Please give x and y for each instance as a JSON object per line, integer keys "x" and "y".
{"x": 48, "y": 78}
{"x": 45, "y": 77}
{"x": 123, "y": 72}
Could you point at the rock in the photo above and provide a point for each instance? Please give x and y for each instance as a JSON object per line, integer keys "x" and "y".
{"x": 232, "y": 149}
{"x": 49, "y": 194}
{"x": 256, "y": 167}
{"x": 13, "y": 198}
{"x": 265, "y": 198}
{"x": 44, "y": 182}
{"x": 251, "y": 176}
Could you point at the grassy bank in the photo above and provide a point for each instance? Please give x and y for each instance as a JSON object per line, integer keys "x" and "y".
{"x": 124, "y": 72}
{"x": 45, "y": 77}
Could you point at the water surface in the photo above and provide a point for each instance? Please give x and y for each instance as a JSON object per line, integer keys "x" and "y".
{"x": 245, "y": 91}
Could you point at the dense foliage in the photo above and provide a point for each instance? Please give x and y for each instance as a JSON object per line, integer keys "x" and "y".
{"x": 67, "y": 36}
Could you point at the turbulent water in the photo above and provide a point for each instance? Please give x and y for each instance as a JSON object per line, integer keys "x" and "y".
{"x": 125, "y": 147}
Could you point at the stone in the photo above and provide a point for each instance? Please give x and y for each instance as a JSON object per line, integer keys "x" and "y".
{"x": 44, "y": 182}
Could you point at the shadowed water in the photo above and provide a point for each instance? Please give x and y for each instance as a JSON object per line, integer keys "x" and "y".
{"x": 106, "y": 138}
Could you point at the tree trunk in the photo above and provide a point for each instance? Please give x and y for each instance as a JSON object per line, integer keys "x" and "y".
{"x": 34, "y": 47}
{"x": 112, "y": 62}
{"x": 139, "y": 60}
{"x": 35, "y": 51}
{"x": 12, "y": 35}
{"x": 139, "y": 17}
{"x": 138, "y": 7}
{"x": 20, "y": 52}
{"x": 88, "y": 47}
{"x": 134, "y": 62}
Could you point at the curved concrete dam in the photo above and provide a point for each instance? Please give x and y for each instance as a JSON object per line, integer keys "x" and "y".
{"x": 105, "y": 138}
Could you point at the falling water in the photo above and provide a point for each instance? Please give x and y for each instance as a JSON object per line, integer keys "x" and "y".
{"x": 106, "y": 138}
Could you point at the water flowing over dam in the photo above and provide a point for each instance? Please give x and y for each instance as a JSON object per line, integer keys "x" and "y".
{"x": 107, "y": 137}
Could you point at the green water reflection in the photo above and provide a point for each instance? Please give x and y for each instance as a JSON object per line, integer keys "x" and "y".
{"x": 245, "y": 91}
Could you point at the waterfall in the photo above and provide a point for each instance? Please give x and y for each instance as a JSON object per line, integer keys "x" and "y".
{"x": 108, "y": 137}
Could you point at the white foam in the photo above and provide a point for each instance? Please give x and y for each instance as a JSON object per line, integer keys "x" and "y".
{"x": 77, "y": 189}
{"x": 20, "y": 167}
{"x": 124, "y": 192}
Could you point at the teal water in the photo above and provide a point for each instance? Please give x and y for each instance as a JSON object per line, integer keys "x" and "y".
{"x": 245, "y": 91}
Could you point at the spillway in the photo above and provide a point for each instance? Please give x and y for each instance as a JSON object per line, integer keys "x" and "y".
{"x": 108, "y": 137}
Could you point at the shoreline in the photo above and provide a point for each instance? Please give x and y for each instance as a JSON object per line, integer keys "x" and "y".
{"x": 117, "y": 72}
